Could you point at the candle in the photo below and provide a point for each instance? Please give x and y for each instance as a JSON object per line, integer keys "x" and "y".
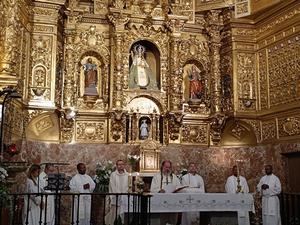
{"x": 251, "y": 91}
{"x": 130, "y": 182}
{"x": 136, "y": 182}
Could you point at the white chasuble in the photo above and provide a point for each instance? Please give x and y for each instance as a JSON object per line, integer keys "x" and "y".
{"x": 49, "y": 207}
{"x": 76, "y": 185}
{"x": 118, "y": 183}
{"x": 32, "y": 206}
{"x": 169, "y": 183}
{"x": 195, "y": 184}
{"x": 270, "y": 200}
{"x": 232, "y": 183}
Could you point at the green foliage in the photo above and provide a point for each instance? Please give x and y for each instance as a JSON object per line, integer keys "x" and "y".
{"x": 103, "y": 171}
{"x": 3, "y": 187}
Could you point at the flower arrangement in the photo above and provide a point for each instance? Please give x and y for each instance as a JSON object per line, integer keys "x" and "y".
{"x": 133, "y": 161}
{"x": 3, "y": 187}
{"x": 103, "y": 171}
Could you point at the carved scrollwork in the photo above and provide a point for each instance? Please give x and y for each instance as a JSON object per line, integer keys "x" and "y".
{"x": 119, "y": 20}
{"x": 66, "y": 128}
{"x": 90, "y": 131}
{"x": 217, "y": 123}
{"x": 290, "y": 126}
{"x": 196, "y": 134}
{"x": 118, "y": 123}
{"x": 175, "y": 123}
{"x": 268, "y": 130}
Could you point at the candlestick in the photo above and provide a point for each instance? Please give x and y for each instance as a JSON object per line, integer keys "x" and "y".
{"x": 239, "y": 187}
{"x": 136, "y": 182}
{"x": 130, "y": 182}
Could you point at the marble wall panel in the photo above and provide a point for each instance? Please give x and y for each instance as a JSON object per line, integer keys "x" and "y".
{"x": 214, "y": 163}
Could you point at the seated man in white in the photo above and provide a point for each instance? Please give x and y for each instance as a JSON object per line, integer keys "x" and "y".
{"x": 165, "y": 182}
{"x": 238, "y": 184}
{"x": 195, "y": 184}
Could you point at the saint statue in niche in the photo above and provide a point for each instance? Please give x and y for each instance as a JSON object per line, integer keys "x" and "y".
{"x": 140, "y": 75}
{"x": 144, "y": 131}
{"x": 196, "y": 85}
{"x": 90, "y": 77}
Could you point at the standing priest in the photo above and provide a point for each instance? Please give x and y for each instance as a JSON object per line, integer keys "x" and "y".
{"x": 237, "y": 184}
{"x": 165, "y": 182}
{"x": 84, "y": 184}
{"x": 50, "y": 206}
{"x": 118, "y": 183}
{"x": 195, "y": 184}
{"x": 270, "y": 187}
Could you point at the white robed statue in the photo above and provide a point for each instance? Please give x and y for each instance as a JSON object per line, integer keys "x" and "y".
{"x": 140, "y": 75}
{"x": 270, "y": 187}
{"x": 195, "y": 184}
{"x": 144, "y": 132}
{"x": 118, "y": 183}
{"x": 82, "y": 183}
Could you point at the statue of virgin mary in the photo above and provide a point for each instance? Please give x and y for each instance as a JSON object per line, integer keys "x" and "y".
{"x": 140, "y": 75}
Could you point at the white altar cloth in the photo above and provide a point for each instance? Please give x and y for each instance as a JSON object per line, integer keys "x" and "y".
{"x": 196, "y": 202}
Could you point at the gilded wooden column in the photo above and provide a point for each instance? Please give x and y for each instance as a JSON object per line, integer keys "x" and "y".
{"x": 119, "y": 21}
{"x": 215, "y": 38}
{"x": 12, "y": 14}
{"x": 176, "y": 80}
{"x": 118, "y": 71}
{"x": 69, "y": 70}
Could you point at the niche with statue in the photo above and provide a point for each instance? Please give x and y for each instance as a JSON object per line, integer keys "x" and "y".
{"x": 144, "y": 64}
{"x": 195, "y": 83}
{"x": 91, "y": 80}
{"x": 143, "y": 121}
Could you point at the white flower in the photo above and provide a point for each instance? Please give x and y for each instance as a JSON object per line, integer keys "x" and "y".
{"x": 3, "y": 174}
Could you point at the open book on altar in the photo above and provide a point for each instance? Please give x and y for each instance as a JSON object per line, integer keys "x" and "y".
{"x": 171, "y": 188}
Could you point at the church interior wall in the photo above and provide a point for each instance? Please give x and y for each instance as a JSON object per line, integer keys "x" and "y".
{"x": 257, "y": 56}
{"x": 214, "y": 163}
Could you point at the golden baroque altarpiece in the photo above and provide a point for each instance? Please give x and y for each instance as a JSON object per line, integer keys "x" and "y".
{"x": 182, "y": 71}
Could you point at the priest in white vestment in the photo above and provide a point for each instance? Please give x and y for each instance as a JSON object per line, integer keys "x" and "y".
{"x": 33, "y": 204}
{"x": 118, "y": 183}
{"x": 165, "y": 182}
{"x": 82, "y": 183}
{"x": 270, "y": 187}
{"x": 49, "y": 207}
{"x": 236, "y": 184}
{"x": 195, "y": 184}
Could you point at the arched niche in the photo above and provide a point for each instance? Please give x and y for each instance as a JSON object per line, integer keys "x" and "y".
{"x": 144, "y": 120}
{"x": 44, "y": 127}
{"x": 238, "y": 133}
{"x": 195, "y": 82}
{"x": 144, "y": 66}
{"x": 91, "y": 69}
{"x": 143, "y": 105}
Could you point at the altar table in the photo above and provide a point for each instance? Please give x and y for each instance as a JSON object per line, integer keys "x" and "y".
{"x": 197, "y": 202}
